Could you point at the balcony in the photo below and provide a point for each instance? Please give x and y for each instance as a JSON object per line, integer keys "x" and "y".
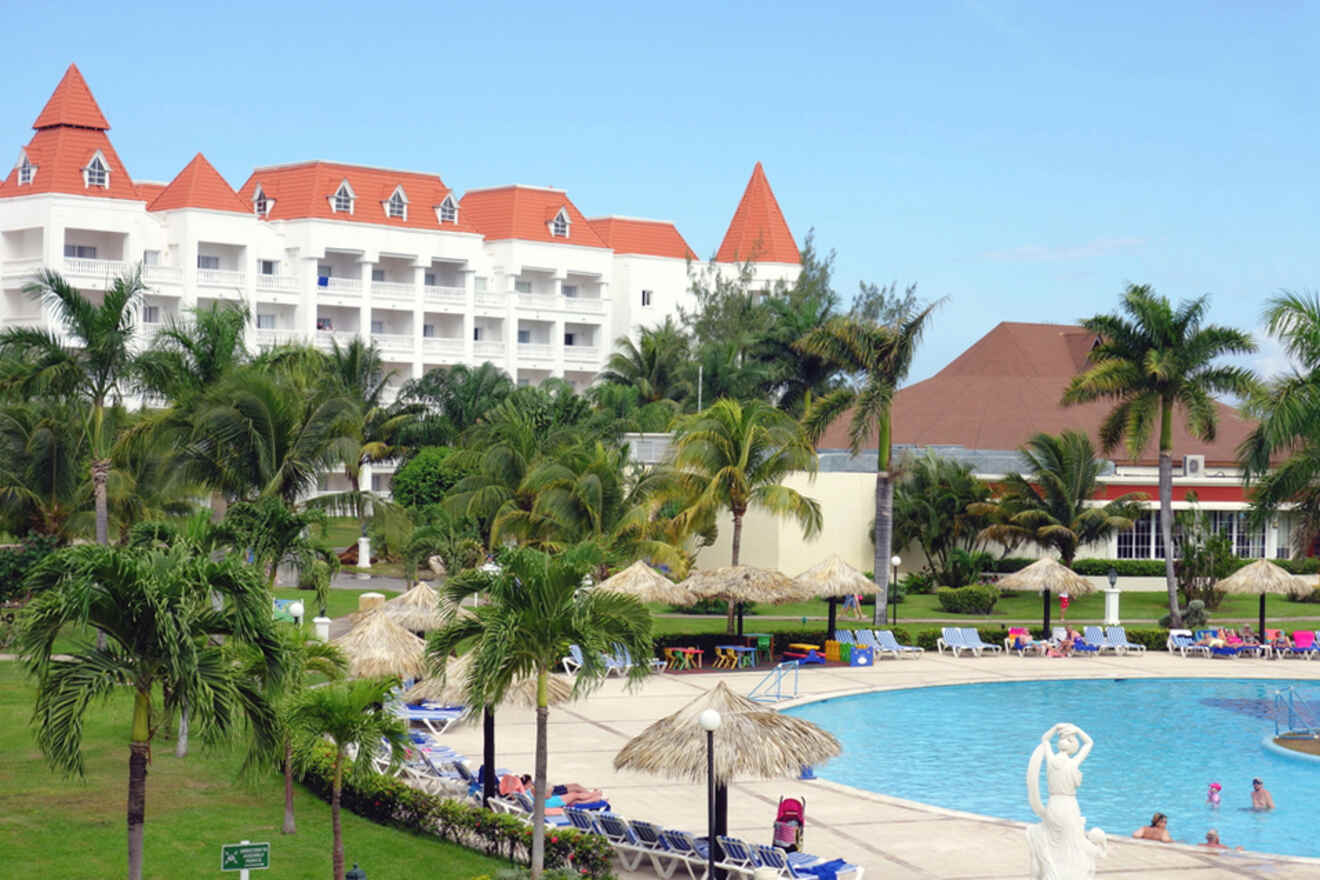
{"x": 155, "y": 276}
{"x": 272, "y": 338}
{"x": 94, "y": 268}
{"x": 326, "y": 339}
{"x": 392, "y": 293}
{"x": 586, "y": 305}
{"x": 445, "y": 296}
{"x": 394, "y": 343}
{"x": 582, "y": 354}
{"x": 488, "y": 350}
{"x": 353, "y": 285}
{"x": 277, "y": 282}
{"x": 448, "y": 349}
{"x": 25, "y": 269}
{"x": 535, "y": 352}
{"x": 221, "y": 278}
{"x": 539, "y": 301}
{"x": 496, "y": 298}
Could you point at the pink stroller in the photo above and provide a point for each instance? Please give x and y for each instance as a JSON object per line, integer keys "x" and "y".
{"x": 789, "y": 824}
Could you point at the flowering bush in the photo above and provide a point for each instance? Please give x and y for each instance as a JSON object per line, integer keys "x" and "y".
{"x": 388, "y": 801}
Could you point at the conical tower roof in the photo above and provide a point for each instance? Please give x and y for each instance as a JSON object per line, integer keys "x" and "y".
{"x": 72, "y": 104}
{"x": 758, "y": 230}
{"x": 198, "y": 185}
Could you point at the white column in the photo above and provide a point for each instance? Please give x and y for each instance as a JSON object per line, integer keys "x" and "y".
{"x": 469, "y": 316}
{"x": 419, "y": 317}
{"x": 364, "y": 310}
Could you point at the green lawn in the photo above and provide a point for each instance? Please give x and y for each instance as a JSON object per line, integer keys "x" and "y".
{"x": 341, "y": 601}
{"x": 62, "y": 828}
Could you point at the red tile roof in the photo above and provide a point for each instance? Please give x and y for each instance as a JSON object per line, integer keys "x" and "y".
{"x": 199, "y": 185}
{"x": 525, "y": 213}
{"x": 628, "y": 235}
{"x": 304, "y": 190}
{"x": 148, "y": 190}
{"x": 60, "y": 154}
{"x": 1007, "y": 386}
{"x": 758, "y": 230}
{"x": 72, "y": 104}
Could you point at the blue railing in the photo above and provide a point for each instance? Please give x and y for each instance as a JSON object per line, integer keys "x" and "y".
{"x": 771, "y": 688}
{"x": 1296, "y": 711}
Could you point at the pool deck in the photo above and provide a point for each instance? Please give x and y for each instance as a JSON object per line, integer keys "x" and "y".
{"x": 890, "y": 837}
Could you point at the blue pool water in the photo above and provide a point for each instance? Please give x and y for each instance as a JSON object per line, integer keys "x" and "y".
{"x": 1158, "y": 745}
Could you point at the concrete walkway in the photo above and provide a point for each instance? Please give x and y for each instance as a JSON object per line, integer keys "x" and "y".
{"x": 890, "y": 837}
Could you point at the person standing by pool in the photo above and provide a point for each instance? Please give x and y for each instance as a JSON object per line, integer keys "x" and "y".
{"x": 1158, "y": 829}
{"x": 1261, "y": 799}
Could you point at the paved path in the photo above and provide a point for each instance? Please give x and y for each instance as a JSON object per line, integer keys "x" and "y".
{"x": 891, "y": 837}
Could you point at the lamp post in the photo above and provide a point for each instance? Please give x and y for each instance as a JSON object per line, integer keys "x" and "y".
{"x": 710, "y": 722}
{"x": 297, "y": 610}
{"x": 893, "y": 585}
{"x": 1111, "y": 598}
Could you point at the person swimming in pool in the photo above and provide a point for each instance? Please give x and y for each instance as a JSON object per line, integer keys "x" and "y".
{"x": 1261, "y": 799}
{"x": 1158, "y": 829}
{"x": 1212, "y": 796}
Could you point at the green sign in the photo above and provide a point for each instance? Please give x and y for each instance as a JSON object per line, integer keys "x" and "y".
{"x": 244, "y": 856}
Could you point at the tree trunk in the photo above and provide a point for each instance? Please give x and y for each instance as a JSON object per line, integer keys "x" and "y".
{"x": 542, "y": 773}
{"x": 336, "y": 830}
{"x": 884, "y": 537}
{"x": 101, "y": 473}
{"x": 219, "y": 505}
{"x": 488, "y": 786}
{"x": 290, "y": 826}
{"x": 737, "y": 553}
{"x": 1166, "y": 532}
{"x": 181, "y": 744}
{"x": 139, "y": 749}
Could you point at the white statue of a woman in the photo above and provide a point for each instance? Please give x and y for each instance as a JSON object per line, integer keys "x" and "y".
{"x": 1061, "y": 849}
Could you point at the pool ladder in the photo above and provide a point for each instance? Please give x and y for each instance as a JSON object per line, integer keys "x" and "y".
{"x": 1299, "y": 717}
{"x": 771, "y": 688}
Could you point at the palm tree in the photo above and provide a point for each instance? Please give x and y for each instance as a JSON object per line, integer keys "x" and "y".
{"x": 188, "y": 357}
{"x": 270, "y": 534}
{"x": 934, "y": 507}
{"x": 455, "y": 399}
{"x": 161, "y": 629}
{"x": 535, "y": 609}
{"x": 734, "y": 456}
{"x": 1149, "y": 362}
{"x": 879, "y": 357}
{"x": 352, "y": 716}
{"x": 91, "y": 361}
{"x": 43, "y": 469}
{"x": 653, "y": 365}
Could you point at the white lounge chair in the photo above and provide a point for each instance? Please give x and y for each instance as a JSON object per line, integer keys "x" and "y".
{"x": 867, "y": 639}
{"x": 1180, "y": 642}
{"x": 889, "y": 642}
{"x": 972, "y": 639}
{"x": 1117, "y": 635}
{"x": 1093, "y": 635}
{"x": 952, "y": 638}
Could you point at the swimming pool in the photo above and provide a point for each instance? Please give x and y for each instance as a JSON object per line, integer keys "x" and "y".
{"x": 1159, "y": 743}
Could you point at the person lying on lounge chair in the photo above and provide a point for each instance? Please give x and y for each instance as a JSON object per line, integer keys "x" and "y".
{"x": 1249, "y": 636}
{"x": 565, "y": 795}
{"x": 1211, "y": 639}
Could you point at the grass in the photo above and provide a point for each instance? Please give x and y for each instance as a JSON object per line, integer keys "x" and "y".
{"x": 341, "y": 602}
{"x": 57, "y": 827}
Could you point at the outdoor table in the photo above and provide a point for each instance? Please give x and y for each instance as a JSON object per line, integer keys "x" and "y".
{"x": 754, "y": 638}
{"x": 685, "y": 657}
{"x": 804, "y": 647}
{"x": 746, "y": 655}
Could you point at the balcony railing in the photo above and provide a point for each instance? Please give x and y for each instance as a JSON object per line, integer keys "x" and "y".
{"x": 591, "y": 305}
{"x": 442, "y": 347}
{"x": 277, "y": 282}
{"x": 539, "y": 301}
{"x": 332, "y": 283}
{"x": 492, "y": 298}
{"x": 272, "y": 338}
{"x": 450, "y": 296}
{"x": 98, "y": 268}
{"x": 488, "y": 349}
{"x": 162, "y": 274}
{"x": 221, "y": 278}
{"x": 580, "y": 353}
{"x": 535, "y": 351}
{"x": 394, "y": 343}
{"x": 22, "y": 268}
{"x": 393, "y": 288}
{"x": 326, "y": 339}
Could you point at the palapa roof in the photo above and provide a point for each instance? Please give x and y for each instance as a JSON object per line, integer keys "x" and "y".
{"x": 740, "y": 583}
{"x": 451, "y": 688}
{"x": 1047, "y": 574}
{"x": 380, "y": 646}
{"x": 751, "y": 742}
{"x": 645, "y": 584}
{"x": 1259, "y": 577}
{"x": 831, "y": 577}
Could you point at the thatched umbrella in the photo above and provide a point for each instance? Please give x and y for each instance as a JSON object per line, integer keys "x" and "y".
{"x": 1047, "y": 575}
{"x": 645, "y": 584}
{"x": 752, "y": 741}
{"x": 1260, "y": 577}
{"x": 417, "y": 609}
{"x": 740, "y": 583}
{"x": 831, "y": 578}
{"x": 379, "y": 646}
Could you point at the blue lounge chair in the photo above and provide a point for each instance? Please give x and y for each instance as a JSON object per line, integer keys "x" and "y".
{"x": 797, "y": 865}
{"x": 574, "y": 660}
{"x": 868, "y": 640}
{"x": 1117, "y": 635}
{"x": 651, "y": 837}
{"x": 889, "y": 642}
{"x": 436, "y": 720}
{"x": 626, "y": 845}
{"x": 523, "y": 801}
{"x": 1181, "y": 642}
{"x": 951, "y": 637}
{"x": 584, "y": 820}
{"x": 737, "y": 856}
{"x": 972, "y": 639}
{"x": 844, "y": 637}
{"x": 689, "y": 849}
{"x": 1093, "y": 635}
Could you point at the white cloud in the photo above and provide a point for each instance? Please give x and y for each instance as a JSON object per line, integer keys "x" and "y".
{"x": 1270, "y": 359}
{"x": 1036, "y": 253}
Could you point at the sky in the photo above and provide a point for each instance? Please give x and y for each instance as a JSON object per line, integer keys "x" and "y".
{"x": 1024, "y": 161}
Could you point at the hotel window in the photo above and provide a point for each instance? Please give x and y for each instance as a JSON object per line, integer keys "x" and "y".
{"x": 522, "y": 286}
{"x": 151, "y": 258}
{"x": 429, "y": 279}
{"x": 479, "y": 284}
{"x": 524, "y": 337}
{"x": 151, "y": 314}
{"x": 377, "y": 274}
{"x": 96, "y": 174}
{"x": 207, "y": 262}
{"x": 265, "y": 322}
{"x": 80, "y": 251}
{"x": 260, "y": 203}
{"x": 448, "y": 210}
{"x": 570, "y": 291}
{"x": 342, "y": 201}
{"x": 568, "y": 339}
{"x": 428, "y": 331}
{"x": 266, "y": 267}
{"x": 559, "y": 225}
{"x": 377, "y": 326}
{"x": 476, "y": 334}
{"x": 1283, "y": 548}
{"x": 26, "y": 172}
{"x": 1135, "y": 543}
{"x": 397, "y": 206}
{"x": 646, "y": 298}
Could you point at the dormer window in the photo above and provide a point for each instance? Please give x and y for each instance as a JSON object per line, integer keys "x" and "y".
{"x": 559, "y": 225}
{"x": 96, "y": 174}
{"x": 260, "y": 203}
{"x": 397, "y": 206}
{"x": 26, "y": 172}
{"x": 449, "y": 210}
{"x": 342, "y": 201}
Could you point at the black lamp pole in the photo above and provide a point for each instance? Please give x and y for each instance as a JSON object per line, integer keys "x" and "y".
{"x": 710, "y": 804}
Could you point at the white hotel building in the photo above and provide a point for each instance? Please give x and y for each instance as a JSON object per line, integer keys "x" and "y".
{"x": 323, "y": 251}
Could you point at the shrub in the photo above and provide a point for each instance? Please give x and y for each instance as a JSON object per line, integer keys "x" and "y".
{"x": 1193, "y": 617}
{"x": 388, "y": 801}
{"x": 1309, "y": 595}
{"x": 426, "y": 477}
{"x": 917, "y": 583}
{"x": 17, "y": 560}
{"x": 709, "y": 606}
{"x": 967, "y": 600}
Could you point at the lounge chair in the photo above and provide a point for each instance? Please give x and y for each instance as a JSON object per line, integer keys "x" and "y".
{"x": 691, "y": 851}
{"x": 629, "y": 849}
{"x": 890, "y": 643}
{"x": 436, "y": 720}
{"x": 952, "y": 638}
{"x": 1181, "y": 642}
{"x": 618, "y": 663}
{"x": 790, "y": 865}
{"x": 1117, "y": 636}
{"x": 1019, "y": 641}
{"x": 1093, "y": 635}
{"x": 867, "y": 639}
{"x": 1303, "y": 644}
{"x": 524, "y": 807}
{"x": 655, "y": 664}
{"x": 736, "y": 856}
{"x": 651, "y": 837}
{"x": 844, "y": 637}
{"x": 574, "y": 660}
{"x": 584, "y": 820}
{"x": 1059, "y": 635}
{"x": 972, "y": 639}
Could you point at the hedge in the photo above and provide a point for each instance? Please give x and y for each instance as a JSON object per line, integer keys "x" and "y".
{"x": 1141, "y": 567}
{"x": 386, "y": 800}
{"x": 967, "y": 600}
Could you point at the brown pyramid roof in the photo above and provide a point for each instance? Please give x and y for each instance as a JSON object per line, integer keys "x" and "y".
{"x": 198, "y": 185}
{"x": 72, "y": 104}
{"x": 758, "y": 230}
{"x": 1008, "y": 385}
